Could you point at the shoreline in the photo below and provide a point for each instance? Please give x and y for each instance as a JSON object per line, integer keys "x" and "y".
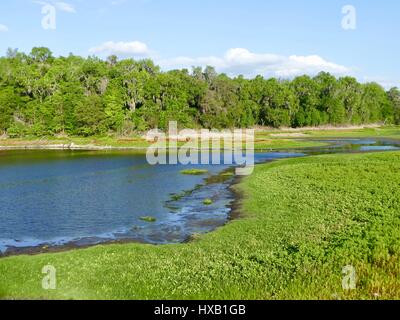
{"x": 235, "y": 213}
{"x": 265, "y": 139}
{"x": 61, "y": 147}
{"x": 321, "y": 128}
{"x": 35, "y": 147}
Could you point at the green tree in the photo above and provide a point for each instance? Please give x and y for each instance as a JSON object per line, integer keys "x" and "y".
{"x": 306, "y": 91}
{"x": 114, "y": 106}
{"x": 394, "y": 98}
{"x": 350, "y": 93}
{"x": 41, "y": 54}
{"x": 90, "y": 116}
{"x": 8, "y": 104}
{"x": 330, "y": 103}
{"x": 376, "y": 104}
{"x": 45, "y": 95}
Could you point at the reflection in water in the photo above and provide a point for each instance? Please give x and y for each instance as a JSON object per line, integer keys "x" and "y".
{"x": 82, "y": 198}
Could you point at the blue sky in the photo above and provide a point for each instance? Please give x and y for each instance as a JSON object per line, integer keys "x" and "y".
{"x": 275, "y": 38}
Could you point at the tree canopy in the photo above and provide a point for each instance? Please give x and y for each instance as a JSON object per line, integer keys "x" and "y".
{"x": 45, "y": 95}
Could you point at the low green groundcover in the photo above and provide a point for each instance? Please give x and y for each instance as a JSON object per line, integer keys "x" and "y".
{"x": 303, "y": 221}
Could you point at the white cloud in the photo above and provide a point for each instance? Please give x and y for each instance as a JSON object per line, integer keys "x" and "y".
{"x": 234, "y": 62}
{"x": 134, "y": 48}
{"x": 62, "y": 6}
{"x": 242, "y": 61}
{"x": 3, "y": 28}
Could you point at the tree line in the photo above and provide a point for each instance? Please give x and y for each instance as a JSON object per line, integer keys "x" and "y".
{"x": 45, "y": 95}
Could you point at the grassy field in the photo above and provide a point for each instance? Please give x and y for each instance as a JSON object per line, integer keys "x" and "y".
{"x": 392, "y": 132}
{"x": 383, "y": 132}
{"x": 261, "y": 143}
{"x": 302, "y": 221}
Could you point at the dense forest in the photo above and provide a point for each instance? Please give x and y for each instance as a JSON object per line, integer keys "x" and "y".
{"x": 44, "y": 95}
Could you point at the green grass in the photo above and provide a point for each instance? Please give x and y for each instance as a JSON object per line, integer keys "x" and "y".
{"x": 116, "y": 142}
{"x": 194, "y": 172}
{"x": 392, "y": 132}
{"x": 278, "y": 143}
{"x": 264, "y": 140}
{"x": 261, "y": 143}
{"x": 383, "y": 132}
{"x": 303, "y": 220}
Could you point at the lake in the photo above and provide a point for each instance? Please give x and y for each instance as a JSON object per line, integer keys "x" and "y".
{"x": 80, "y": 198}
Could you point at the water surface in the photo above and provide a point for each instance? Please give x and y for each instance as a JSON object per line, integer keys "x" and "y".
{"x": 53, "y": 198}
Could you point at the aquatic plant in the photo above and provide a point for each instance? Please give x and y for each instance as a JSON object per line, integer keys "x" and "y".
{"x": 148, "y": 219}
{"x": 194, "y": 172}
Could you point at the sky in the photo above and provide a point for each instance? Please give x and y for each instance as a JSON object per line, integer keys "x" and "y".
{"x": 274, "y": 38}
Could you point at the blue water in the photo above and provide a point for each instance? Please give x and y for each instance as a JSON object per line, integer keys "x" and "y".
{"x": 59, "y": 197}
{"x": 55, "y": 198}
